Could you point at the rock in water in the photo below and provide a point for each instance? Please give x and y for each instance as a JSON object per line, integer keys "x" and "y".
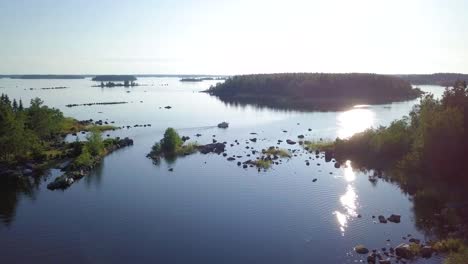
{"x": 361, "y": 249}
{"x": 223, "y": 125}
{"x": 426, "y": 251}
{"x": 382, "y": 219}
{"x": 394, "y": 218}
{"x": 403, "y": 250}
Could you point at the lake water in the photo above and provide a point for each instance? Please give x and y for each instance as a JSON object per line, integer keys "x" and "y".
{"x": 208, "y": 210}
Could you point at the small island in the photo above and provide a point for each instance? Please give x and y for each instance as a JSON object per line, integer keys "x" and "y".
{"x": 314, "y": 91}
{"x": 116, "y": 80}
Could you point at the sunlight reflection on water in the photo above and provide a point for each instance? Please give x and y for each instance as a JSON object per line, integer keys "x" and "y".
{"x": 348, "y": 200}
{"x": 355, "y": 120}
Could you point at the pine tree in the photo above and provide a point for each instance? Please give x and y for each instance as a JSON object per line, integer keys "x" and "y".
{"x": 20, "y": 107}
{"x": 15, "y": 105}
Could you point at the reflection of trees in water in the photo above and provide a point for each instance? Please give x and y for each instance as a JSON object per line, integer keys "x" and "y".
{"x": 11, "y": 190}
{"x": 439, "y": 207}
{"x": 95, "y": 177}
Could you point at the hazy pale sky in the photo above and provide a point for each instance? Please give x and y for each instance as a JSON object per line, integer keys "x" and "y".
{"x": 233, "y": 36}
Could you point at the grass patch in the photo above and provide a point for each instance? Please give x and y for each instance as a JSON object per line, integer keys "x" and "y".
{"x": 318, "y": 144}
{"x": 187, "y": 149}
{"x": 71, "y": 125}
{"x": 457, "y": 258}
{"x": 99, "y": 128}
{"x": 277, "y": 152}
{"x": 449, "y": 245}
{"x": 263, "y": 164}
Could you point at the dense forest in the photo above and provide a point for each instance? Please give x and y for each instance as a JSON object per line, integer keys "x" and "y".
{"x": 314, "y": 90}
{"x": 25, "y": 131}
{"x": 442, "y": 79}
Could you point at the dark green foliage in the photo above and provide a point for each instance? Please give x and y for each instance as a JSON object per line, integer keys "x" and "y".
{"x": 314, "y": 90}
{"x": 44, "y": 121}
{"x": 433, "y": 140}
{"x": 24, "y": 132}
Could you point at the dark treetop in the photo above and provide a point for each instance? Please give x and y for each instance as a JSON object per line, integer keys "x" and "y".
{"x": 324, "y": 91}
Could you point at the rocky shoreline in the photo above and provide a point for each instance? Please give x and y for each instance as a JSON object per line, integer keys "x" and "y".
{"x": 74, "y": 173}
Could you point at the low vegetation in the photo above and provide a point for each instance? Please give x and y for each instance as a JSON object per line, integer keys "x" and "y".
{"x": 171, "y": 145}
{"x": 262, "y": 163}
{"x": 320, "y": 145}
{"x": 283, "y": 153}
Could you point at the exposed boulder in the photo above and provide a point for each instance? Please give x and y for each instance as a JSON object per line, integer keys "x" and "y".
{"x": 394, "y": 218}
{"x": 223, "y": 125}
{"x": 382, "y": 219}
{"x": 403, "y": 251}
{"x": 426, "y": 251}
{"x": 217, "y": 148}
{"x": 290, "y": 142}
{"x": 361, "y": 249}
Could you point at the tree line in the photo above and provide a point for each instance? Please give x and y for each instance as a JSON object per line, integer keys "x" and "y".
{"x": 25, "y": 132}
{"x": 316, "y": 85}
{"x": 432, "y": 140}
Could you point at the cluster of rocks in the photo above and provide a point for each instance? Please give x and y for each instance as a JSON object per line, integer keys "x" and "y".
{"x": 49, "y": 88}
{"x": 217, "y": 148}
{"x": 137, "y": 125}
{"x": 394, "y": 218}
{"x": 403, "y": 252}
{"x": 90, "y": 104}
{"x": 73, "y": 173}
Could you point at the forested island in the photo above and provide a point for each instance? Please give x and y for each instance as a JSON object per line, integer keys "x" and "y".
{"x": 32, "y": 140}
{"x": 314, "y": 91}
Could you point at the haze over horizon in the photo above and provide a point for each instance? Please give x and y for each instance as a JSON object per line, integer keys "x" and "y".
{"x": 232, "y": 36}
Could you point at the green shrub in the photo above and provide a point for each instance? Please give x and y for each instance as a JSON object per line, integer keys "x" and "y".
{"x": 95, "y": 144}
{"x": 449, "y": 245}
{"x": 171, "y": 141}
{"x": 84, "y": 159}
{"x": 457, "y": 257}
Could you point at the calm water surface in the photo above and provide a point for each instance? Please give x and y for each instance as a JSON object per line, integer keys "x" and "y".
{"x": 208, "y": 210}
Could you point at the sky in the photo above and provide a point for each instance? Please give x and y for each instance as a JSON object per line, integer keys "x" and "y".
{"x": 232, "y": 36}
